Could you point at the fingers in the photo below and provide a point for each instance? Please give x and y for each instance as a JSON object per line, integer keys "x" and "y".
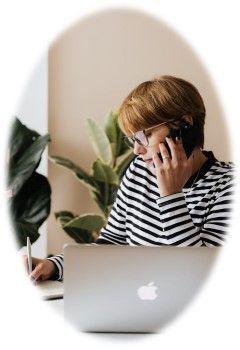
{"x": 156, "y": 160}
{"x": 173, "y": 156}
{"x": 42, "y": 268}
{"x": 38, "y": 272}
{"x": 177, "y": 149}
{"x": 25, "y": 263}
{"x": 164, "y": 154}
{"x": 174, "y": 169}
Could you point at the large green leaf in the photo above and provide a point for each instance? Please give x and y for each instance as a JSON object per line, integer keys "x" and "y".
{"x": 27, "y": 162}
{"x": 106, "y": 197}
{"x": 31, "y": 193}
{"x": 81, "y": 174}
{"x": 84, "y": 228}
{"x": 79, "y": 235}
{"x": 100, "y": 142}
{"x": 122, "y": 147}
{"x": 113, "y": 189}
{"x": 111, "y": 130}
{"x": 111, "y": 127}
{"x": 64, "y": 216}
{"x": 123, "y": 162}
{"x": 114, "y": 134}
{"x": 100, "y": 199}
{"x": 90, "y": 222}
{"x": 21, "y": 138}
{"x": 107, "y": 181}
{"x": 32, "y": 203}
{"x": 24, "y": 230}
{"x": 104, "y": 173}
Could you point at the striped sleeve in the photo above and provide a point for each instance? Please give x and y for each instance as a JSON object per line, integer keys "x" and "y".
{"x": 58, "y": 262}
{"x": 215, "y": 228}
{"x": 177, "y": 224}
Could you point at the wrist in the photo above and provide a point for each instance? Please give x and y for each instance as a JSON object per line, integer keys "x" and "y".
{"x": 53, "y": 270}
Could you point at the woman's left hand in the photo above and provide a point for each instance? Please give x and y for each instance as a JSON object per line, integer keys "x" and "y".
{"x": 173, "y": 172}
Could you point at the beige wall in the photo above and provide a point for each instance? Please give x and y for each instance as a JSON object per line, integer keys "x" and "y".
{"x": 92, "y": 67}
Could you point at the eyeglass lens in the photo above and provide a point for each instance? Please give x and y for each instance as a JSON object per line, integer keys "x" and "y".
{"x": 139, "y": 137}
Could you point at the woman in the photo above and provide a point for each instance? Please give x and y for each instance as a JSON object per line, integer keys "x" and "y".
{"x": 173, "y": 192}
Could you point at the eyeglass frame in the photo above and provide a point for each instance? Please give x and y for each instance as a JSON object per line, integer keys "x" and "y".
{"x": 128, "y": 139}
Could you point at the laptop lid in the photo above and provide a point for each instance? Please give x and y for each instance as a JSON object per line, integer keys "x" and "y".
{"x": 110, "y": 288}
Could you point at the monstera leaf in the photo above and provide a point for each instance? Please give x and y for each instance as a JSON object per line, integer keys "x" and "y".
{"x": 24, "y": 230}
{"x": 30, "y": 198}
{"x": 32, "y": 203}
{"x": 26, "y": 148}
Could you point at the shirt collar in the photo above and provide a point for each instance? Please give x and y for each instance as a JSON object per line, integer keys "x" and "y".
{"x": 205, "y": 167}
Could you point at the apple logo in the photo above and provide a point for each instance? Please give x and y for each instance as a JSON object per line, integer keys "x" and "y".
{"x": 147, "y": 292}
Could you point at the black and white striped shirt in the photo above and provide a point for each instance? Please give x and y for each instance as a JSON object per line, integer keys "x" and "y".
{"x": 197, "y": 216}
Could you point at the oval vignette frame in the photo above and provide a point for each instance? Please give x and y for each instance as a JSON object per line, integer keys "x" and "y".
{"x": 143, "y": 47}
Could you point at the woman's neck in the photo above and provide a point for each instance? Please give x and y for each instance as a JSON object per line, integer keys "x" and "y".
{"x": 198, "y": 160}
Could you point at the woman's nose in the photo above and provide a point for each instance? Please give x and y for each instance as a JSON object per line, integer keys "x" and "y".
{"x": 138, "y": 149}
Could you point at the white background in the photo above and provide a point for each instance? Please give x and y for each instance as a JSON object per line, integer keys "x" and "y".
{"x": 27, "y": 28}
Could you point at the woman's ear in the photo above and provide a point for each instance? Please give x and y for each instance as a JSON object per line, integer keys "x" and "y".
{"x": 188, "y": 119}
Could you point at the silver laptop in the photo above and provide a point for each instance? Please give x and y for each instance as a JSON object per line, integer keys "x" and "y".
{"x": 110, "y": 288}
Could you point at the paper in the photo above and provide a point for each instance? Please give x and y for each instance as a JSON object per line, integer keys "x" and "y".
{"x": 50, "y": 289}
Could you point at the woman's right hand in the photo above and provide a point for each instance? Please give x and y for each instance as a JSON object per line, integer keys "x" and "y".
{"x": 43, "y": 269}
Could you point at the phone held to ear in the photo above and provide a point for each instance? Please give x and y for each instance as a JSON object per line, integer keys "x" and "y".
{"x": 188, "y": 135}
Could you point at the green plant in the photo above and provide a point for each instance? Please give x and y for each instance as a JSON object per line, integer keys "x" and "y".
{"x": 113, "y": 156}
{"x": 30, "y": 192}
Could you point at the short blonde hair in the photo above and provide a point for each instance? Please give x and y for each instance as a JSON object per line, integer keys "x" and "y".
{"x": 161, "y": 100}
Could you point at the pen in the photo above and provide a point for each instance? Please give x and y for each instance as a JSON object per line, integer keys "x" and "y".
{"x": 29, "y": 255}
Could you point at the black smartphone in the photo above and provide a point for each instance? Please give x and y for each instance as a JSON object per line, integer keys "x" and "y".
{"x": 188, "y": 135}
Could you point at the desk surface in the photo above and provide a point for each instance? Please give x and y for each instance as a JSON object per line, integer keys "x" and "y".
{"x": 50, "y": 289}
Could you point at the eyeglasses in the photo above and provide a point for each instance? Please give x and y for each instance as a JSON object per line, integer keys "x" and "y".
{"x": 140, "y": 136}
